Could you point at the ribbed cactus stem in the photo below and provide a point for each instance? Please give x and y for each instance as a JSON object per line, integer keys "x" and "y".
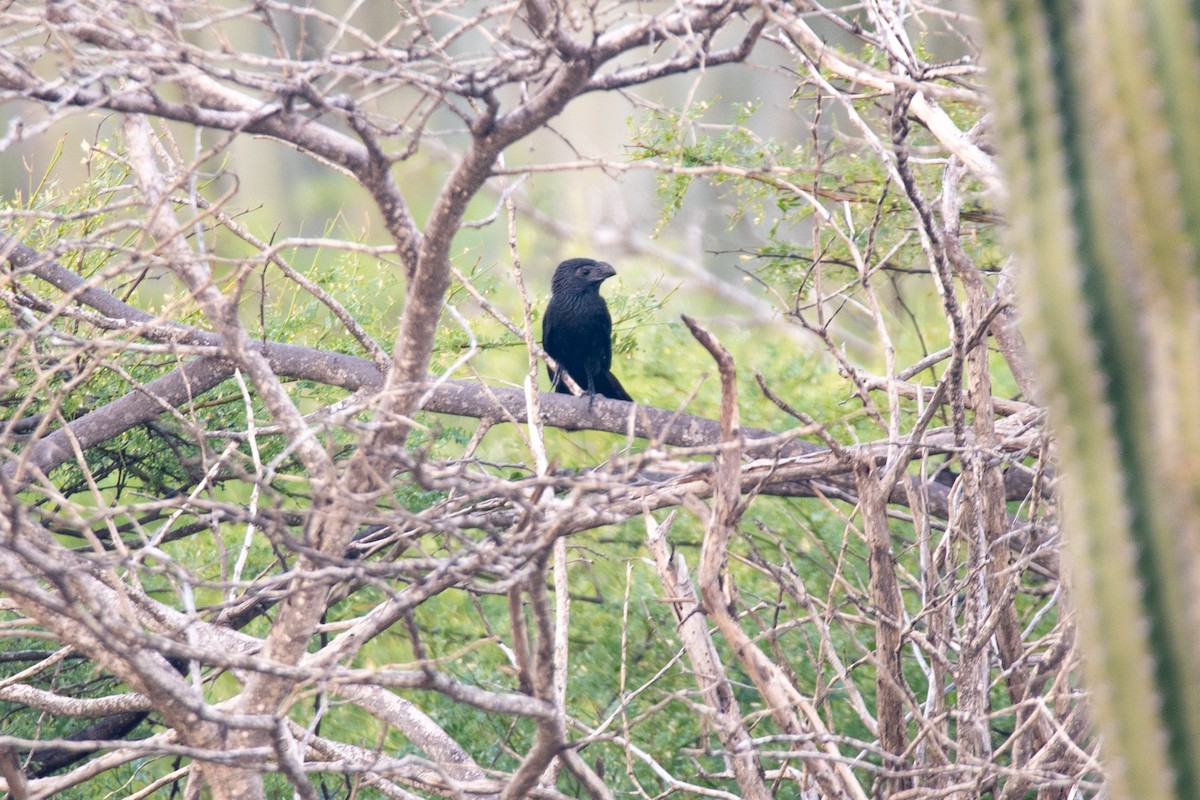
{"x": 1098, "y": 110}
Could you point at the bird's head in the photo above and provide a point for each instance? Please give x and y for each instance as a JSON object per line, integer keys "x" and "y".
{"x": 577, "y": 272}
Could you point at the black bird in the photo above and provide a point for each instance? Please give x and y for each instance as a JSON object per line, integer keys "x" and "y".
{"x": 577, "y": 329}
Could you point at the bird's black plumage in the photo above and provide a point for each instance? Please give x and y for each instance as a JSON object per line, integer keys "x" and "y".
{"x": 577, "y": 329}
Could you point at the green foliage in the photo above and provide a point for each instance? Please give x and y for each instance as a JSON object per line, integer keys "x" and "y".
{"x": 164, "y": 458}
{"x": 683, "y": 140}
{"x": 784, "y": 191}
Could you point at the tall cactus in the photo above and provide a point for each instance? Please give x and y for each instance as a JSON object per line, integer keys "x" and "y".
{"x": 1098, "y": 120}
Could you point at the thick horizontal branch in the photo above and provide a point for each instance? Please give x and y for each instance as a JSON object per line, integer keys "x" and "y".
{"x": 83, "y": 707}
{"x": 658, "y": 426}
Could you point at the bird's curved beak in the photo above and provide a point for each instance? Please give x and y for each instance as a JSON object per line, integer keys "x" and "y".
{"x": 603, "y": 271}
